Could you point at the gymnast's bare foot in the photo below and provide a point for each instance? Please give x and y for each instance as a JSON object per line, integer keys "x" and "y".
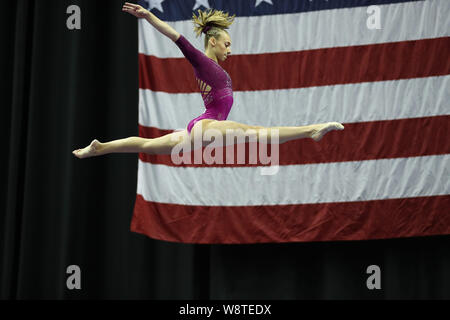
{"x": 91, "y": 150}
{"x": 323, "y": 128}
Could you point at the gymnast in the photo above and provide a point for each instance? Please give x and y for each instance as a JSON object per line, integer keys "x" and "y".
{"x": 216, "y": 90}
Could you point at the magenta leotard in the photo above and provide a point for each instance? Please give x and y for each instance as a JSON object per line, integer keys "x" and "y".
{"x": 213, "y": 81}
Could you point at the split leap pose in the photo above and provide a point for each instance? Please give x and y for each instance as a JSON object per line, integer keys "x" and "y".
{"x": 216, "y": 90}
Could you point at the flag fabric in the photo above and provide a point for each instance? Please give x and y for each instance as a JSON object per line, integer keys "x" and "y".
{"x": 381, "y": 68}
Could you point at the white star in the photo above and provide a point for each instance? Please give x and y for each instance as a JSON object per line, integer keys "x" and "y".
{"x": 199, "y": 3}
{"x": 259, "y": 1}
{"x": 156, "y": 4}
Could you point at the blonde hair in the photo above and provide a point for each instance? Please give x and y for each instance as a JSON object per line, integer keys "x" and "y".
{"x": 217, "y": 20}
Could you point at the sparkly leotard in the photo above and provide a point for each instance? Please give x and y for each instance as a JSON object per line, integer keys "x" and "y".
{"x": 213, "y": 81}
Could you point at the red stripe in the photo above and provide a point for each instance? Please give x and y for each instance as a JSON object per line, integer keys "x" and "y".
{"x": 362, "y": 220}
{"x": 357, "y": 142}
{"x": 298, "y": 69}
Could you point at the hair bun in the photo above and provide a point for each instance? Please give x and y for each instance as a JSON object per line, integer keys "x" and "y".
{"x": 210, "y": 20}
{"x": 205, "y": 29}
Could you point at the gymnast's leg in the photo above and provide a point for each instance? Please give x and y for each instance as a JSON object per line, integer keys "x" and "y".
{"x": 314, "y": 131}
{"x": 166, "y": 143}
{"x": 159, "y": 145}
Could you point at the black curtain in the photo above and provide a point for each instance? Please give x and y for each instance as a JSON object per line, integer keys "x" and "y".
{"x": 62, "y": 88}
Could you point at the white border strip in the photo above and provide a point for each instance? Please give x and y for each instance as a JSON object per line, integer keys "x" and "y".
{"x": 313, "y": 30}
{"x": 370, "y": 101}
{"x": 296, "y": 184}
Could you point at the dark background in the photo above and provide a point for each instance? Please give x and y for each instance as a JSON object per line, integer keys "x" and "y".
{"x": 62, "y": 88}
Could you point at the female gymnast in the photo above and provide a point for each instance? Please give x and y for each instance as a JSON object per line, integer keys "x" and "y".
{"x": 215, "y": 87}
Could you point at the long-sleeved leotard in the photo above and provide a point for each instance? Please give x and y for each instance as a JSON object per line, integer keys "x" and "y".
{"x": 213, "y": 81}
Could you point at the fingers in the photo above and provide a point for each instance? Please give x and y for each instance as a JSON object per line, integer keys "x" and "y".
{"x": 125, "y": 7}
{"x": 129, "y": 10}
{"x": 130, "y": 6}
{"x": 134, "y": 9}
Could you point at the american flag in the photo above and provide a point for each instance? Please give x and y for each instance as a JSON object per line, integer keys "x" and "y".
{"x": 379, "y": 67}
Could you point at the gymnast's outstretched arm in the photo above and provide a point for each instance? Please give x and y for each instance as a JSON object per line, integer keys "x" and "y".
{"x": 139, "y": 12}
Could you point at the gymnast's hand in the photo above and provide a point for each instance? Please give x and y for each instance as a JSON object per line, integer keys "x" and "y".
{"x": 135, "y": 9}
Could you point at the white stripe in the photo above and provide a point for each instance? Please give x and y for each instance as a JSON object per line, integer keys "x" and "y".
{"x": 296, "y": 184}
{"x": 372, "y": 101}
{"x": 313, "y": 30}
